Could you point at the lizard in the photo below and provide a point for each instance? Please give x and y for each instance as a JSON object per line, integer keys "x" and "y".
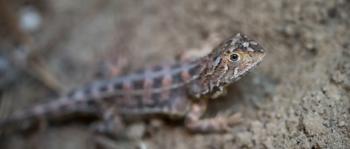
{"x": 181, "y": 90}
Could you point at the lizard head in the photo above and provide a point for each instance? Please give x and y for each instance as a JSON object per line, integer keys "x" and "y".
{"x": 228, "y": 62}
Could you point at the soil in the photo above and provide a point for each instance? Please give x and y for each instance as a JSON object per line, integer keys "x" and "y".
{"x": 299, "y": 97}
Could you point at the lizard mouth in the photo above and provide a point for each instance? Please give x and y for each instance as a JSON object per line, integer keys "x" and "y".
{"x": 250, "y": 67}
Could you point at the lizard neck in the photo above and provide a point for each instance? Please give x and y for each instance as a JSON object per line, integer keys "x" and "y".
{"x": 206, "y": 84}
{"x": 200, "y": 87}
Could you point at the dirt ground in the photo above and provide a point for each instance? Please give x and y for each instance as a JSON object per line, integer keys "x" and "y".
{"x": 299, "y": 97}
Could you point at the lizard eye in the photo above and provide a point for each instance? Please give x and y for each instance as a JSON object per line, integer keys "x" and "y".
{"x": 234, "y": 57}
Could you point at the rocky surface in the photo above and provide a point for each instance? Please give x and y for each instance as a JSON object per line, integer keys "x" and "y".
{"x": 299, "y": 97}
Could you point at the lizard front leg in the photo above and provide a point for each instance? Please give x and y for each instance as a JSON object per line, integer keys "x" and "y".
{"x": 218, "y": 124}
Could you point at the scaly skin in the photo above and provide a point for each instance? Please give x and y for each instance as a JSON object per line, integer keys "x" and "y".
{"x": 180, "y": 90}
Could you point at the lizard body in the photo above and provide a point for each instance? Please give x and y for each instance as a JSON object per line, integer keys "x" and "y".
{"x": 178, "y": 90}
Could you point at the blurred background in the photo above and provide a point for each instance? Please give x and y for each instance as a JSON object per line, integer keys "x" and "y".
{"x": 299, "y": 97}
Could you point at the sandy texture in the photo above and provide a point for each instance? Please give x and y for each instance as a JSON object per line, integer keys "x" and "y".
{"x": 299, "y": 97}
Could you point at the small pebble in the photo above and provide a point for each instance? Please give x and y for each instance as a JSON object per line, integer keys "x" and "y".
{"x": 30, "y": 19}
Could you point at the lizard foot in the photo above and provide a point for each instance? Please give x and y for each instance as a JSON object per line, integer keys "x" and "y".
{"x": 213, "y": 125}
